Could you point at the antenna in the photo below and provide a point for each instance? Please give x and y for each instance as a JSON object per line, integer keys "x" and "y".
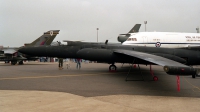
{"x": 106, "y": 42}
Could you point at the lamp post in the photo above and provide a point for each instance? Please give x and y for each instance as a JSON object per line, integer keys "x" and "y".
{"x": 97, "y": 34}
{"x": 145, "y": 22}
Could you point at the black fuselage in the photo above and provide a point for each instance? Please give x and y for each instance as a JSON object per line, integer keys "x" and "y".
{"x": 105, "y": 53}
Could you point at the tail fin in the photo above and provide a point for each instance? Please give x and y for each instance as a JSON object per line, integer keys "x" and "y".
{"x": 45, "y": 39}
{"x": 123, "y": 37}
{"x": 135, "y": 28}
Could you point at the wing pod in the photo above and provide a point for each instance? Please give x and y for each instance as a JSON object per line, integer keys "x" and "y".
{"x": 175, "y": 70}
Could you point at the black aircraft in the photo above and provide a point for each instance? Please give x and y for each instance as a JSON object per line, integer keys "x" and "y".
{"x": 174, "y": 61}
{"x": 11, "y": 54}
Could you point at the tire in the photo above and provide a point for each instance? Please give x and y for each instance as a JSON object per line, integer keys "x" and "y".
{"x": 112, "y": 68}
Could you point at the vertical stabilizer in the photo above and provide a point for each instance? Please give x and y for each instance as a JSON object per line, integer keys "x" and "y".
{"x": 135, "y": 29}
{"x": 123, "y": 37}
{"x": 45, "y": 39}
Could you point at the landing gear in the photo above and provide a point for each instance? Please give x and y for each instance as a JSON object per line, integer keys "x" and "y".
{"x": 13, "y": 62}
{"x": 112, "y": 67}
{"x": 21, "y": 63}
{"x": 7, "y": 61}
{"x": 194, "y": 75}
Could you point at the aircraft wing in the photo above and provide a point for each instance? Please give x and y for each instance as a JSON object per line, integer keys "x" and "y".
{"x": 9, "y": 51}
{"x": 150, "y": 58}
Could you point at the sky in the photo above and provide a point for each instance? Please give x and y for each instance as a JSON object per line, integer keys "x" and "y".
{"x": 22, "y": 21}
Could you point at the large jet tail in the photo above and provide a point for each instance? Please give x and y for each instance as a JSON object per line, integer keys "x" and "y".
{"x": 45, "y": 39}
{"x": 135, "y": 29}
{"x": 123, "y": 37}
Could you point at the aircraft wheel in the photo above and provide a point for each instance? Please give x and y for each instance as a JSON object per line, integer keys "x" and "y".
{"x": 112, "y": 68}
{"x": 13, "y": 62}
{"x": 194, "y": 76}
{"x": 155, "y": 78}
{"x": 21, "y": 63}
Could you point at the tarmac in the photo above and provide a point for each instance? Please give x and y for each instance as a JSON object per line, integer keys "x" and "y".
{"x": 40, "y": 87}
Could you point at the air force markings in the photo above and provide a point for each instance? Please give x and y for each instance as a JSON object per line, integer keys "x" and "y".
{"x": 51, "y": 33}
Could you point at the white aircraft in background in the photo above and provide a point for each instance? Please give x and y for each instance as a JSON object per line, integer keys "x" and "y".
{"x": 164, "y": 39}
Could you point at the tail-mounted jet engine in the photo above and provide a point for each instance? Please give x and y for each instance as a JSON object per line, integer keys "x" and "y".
{"x": 123, "y": 37}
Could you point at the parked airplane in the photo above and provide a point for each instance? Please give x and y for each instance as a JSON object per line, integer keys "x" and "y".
{"x": 164, "y": 39}
{"x": 12, "y": 54}
{"x": 174, "y": 61}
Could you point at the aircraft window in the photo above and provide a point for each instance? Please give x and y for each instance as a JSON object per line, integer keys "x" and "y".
{"x": 129, "y": 39}
{"x": 134, "y": 39}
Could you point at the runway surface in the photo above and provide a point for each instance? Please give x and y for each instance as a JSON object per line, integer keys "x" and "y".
{"x": 94, "y": 81}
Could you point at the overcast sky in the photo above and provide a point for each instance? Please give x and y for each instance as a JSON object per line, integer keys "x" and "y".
{"x": 22, "y": 21}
